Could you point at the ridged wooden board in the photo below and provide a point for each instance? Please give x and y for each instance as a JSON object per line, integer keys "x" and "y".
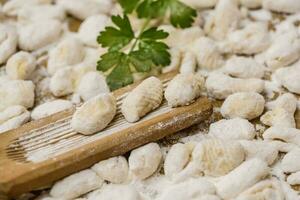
{"x": 43, "y": 151}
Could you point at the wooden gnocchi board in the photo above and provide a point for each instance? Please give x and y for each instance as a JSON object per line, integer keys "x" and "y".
{"x": 43, "y": 151}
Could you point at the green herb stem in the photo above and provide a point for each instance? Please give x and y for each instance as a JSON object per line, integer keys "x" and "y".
{"x": 146, "y": 23}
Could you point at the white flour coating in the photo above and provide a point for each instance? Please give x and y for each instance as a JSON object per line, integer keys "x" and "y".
{"x": 8, "y": 41}
{"x": 290, "y": 162}
{"x": 95, "y": 114}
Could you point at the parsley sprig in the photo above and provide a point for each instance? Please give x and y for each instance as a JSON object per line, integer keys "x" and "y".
{"x": 147, "y": 50}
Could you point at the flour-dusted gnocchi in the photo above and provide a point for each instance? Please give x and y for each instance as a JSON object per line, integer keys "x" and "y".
{"x": 68, "y": 52}
{"x": 144, "y": 98}
{"x": 243, "y": 67}
{"x": 90, "y": 29}
{"x": 50, "y": 108}
{"x": 21, "y": 65}
{"x": 220, "y": 86}
{"x": 76, "y": 185}
{"x": 38, "y": 34}
{"x": 287, "y": 6}
{"x": 92, "y": 84}
{"x": 294, "y": 178}
{"x": 290, "y": 135}
{"x": 95, "y": 114}
{"x": 41, "y": 12}
{"x": 16, "y": 92}
{"x": 278, "y": 117}
{"x": 264, "y": 150}
{"x": 241, "y": 178}
{"x": 188, "y": 63}
{"x": 8, "y": 41}
{"x": 266, "y": 189}
{"x": 217, "y": 157}
{"x": 287, "y": 101}
{"x": 207, "y": 53}
{"x": 247, "y": 105}
{"x": 252, "y": 39}
{"x": 176, "y": 159}
{"x": 114, "y": 170}
{"x": 12, "y": 7}
{"x": 251, "y": 3}
{"x": 62, "y": 82}
{"x": 224, "y": 19}
{"x": 144, "y": 161}
{"x": 288, "y": 77}
{"x": 116, "y": 192}
{"x": 232, "y": 129}
{"x": 13, "y": 117}
{"x": 290, "y": 162}
{"x": 183, "y": 89}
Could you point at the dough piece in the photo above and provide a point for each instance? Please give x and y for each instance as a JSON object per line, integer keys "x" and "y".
{"x": 90, "y": 29}
{"x": 38, "y": 34}
{"x": 8, "y": 42}
{"x": 92, "y": 84}
{"x": 221, "y": 86}
{"x": 70, "y": 51}
{"x": 192, "y": 189}
{"x": 207, "y": 53}
{"x": 286, "y": 6}
{"x": 76, "y": 185}
{"x": 176, "y": 159}
{"x": 218, "y": 157}
{"x": 252, "y": 39}
{"x": 241, "y": 178}
{"x": 288, "y": 77}
{"x": 188, "y": 64}
{"x": 114, "y": 170}
{"x": 286, "y": 101}
{"x": 175, "y": 61}
{"x": 144, "y": 161}
{"x": 87, "y": 8}
{"x": 260, "y": 15}
{"x": 62, "y": 82}
{"x": 183, "y": 89}
{"x": 50, "y": 108}
{"x": 294, "y": 179}
{"x": 224, "y": 19}
{"x": 279, "y": 117}
{"x": 243, "y": 67}
{"x": 117, "y": 192}
{"x": 13, "y": 117}
{"x": 232, "y": 129}
{"x": 12, "y": 7}
{"x": 266, "y": 189}
{"x": 251, "y": 3}
{"x": 146, "y": 97}
{"x": 290, "y": 135}
{"x": 95, "y": 114}
{"x": 21, "y": 65}
{"x": 290, "y": 162}
{"x": 247, "y": 105}
{"x": 16, "y": 92}
{"x": 41, "y": 12}
{"x": 264, "y": 150}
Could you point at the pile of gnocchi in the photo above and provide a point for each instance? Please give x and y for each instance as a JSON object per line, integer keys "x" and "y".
{"x": 242, "y": 54}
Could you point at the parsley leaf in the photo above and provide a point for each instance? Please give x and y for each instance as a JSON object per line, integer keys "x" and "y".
{"x": 153, "y": 33}
{"x": 181, "y": 14}
{"x": 157, "y": 51}
{"x": 128, "y": 5}
{"x": 141, "y": 61}
{"x": 117, "y": 38}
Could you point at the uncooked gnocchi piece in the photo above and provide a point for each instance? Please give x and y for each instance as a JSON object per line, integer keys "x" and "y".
{"x": 8, "y": 41}
{"x": 183, "y": 89}
{"x": 146, "y": 97}
{"x": 114, "y": 170}
{"x": 232, "y": 129}
{"x": 12, "y": 7}
{"x": 224, "y": 19}
{"x": 50, "y": 108}
{"x": 289, "y": 76}
{"x": 92, "y": 84}
{"x": 290, "y": 135}
{"x": 144, "y": 161}
{"x": 290, "y": 162}
{"x": 38, "y": 34}
{"x": 90, "y": 29}
{"x": 241, "y": 178}
{"x": 95, "y": 114}
{"x": 294, "y": 179}
{"x": 41, "y": 12}
{"x": 221, "y": 86}
{"x": 266, "y": 189}
{"x": 176, "y": 159}
{"x": 188, "y": 63}
{"x": 278, "y": 117}
{"x": 116, "y": 192}
{"x": 243, "y": 67}
{"x": 76, "y": 185}
{"x": 68, "y": 52}
{"x": 62, "y": 82}
{"x": 287, "y": 6}
{"x": 16, "y": 92}
{"x": 251, "y": 3}
{"x": 286, "y": 101}
{"x": 21, "y": 65}
{"x": 207, "y": 53}
{"x": 13, "y": 117}
{"x": 247, "y": 105}
{"x": 218, "y": 157}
